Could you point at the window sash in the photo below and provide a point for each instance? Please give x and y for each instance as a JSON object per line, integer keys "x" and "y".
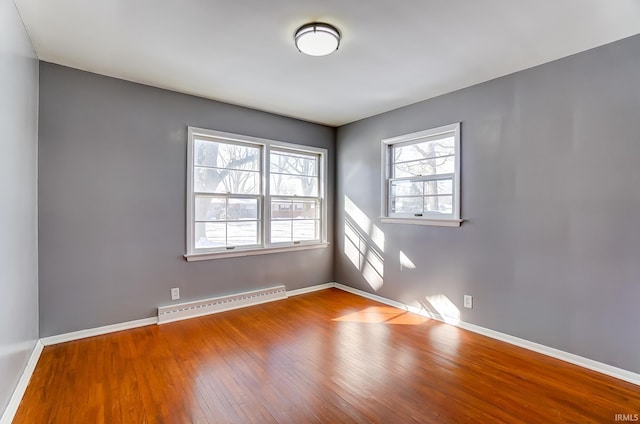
{"x": 278, "y": 221}
{"x": 425, "y": 195}
{"x": 397, "y": 166}
{"x": 222, "y": 219}
{"x": 310, "y": 176}
{"x": 305, "y": 156}
{"x": 253, "y": 162}
{"x": 255, "y": 187}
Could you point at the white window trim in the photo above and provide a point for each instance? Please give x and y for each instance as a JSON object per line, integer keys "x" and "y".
{"x": 266, "y": 247}
{"x": 386, "y": 145}
{"x": 194, "y": 257}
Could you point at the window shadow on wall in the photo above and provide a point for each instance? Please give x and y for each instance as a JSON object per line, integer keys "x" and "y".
{"x": 364, "y": 244}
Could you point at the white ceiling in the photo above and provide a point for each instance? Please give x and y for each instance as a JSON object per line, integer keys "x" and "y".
{"x": 393, "y": 53}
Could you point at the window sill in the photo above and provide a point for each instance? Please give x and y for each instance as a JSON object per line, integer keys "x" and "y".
{"x": 193, "y": 257}
{"x": 423, "y": 221}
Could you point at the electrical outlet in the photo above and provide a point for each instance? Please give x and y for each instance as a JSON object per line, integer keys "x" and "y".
{"x": 175, "y": 293}
{"x": 468, "y": 301}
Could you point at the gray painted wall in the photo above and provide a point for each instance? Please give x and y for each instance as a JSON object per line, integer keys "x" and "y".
{"x": 18, "y": 203}
{"x": 112, "y": 201}
{"x": 550, "y": 193}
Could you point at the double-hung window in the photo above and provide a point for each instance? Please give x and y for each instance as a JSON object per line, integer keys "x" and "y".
{"x": 421, "y": 177}
{"x": 249, "y": 196}
{"x": 294, "y": 196}
{"x": 226, "y": 194}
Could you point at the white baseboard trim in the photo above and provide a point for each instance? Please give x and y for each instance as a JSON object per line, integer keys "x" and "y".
{"x": 372, "y": 296}
{"x": 311, "y": 289}
{"x": 98, "y": 331}
{"x": 581, "y": 361}
{"x": 619, "y": 373}
{"x": 11, "y": 409}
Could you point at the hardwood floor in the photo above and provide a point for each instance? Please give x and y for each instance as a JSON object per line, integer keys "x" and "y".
{"x": 323, "y": 357}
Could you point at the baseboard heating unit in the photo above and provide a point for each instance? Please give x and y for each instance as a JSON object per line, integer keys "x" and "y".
{"x": 214, "y": 305}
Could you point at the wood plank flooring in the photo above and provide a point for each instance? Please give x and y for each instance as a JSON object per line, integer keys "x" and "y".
{"x": 323, "y": 357}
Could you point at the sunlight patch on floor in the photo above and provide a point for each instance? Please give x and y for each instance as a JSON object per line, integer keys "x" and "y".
{"x": 383, "y": 314}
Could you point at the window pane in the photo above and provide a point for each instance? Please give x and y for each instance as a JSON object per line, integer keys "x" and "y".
{"x": 210, "y": 180}
{"x": 439, "y": 187}
{"x": 439, "y": 204}
{"x": 437, "y": 166}
{"x": 407, "y": 205}
{"x": 226, "y": 155}
{"x": 305, "y": 210}
{"x": 288, "y": 185}
{"x": 407, "y": 188}
{"x": 281, "y": 209}
{"x": 210, "y": 234}
{"x": 210, "y": 208}
{"x": 294, "y": 163}
{"x": 424, "y": 150}
{"x": 281, "y": 231}
{"x": 242, "y": 233}
{"x": 242, "y": 209}
{"x": 305, "y": 230}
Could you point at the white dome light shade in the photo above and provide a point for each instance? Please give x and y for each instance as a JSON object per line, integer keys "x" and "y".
{"x": 317, "y": 39}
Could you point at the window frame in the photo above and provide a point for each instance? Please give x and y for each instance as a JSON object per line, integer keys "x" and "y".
{"x": 264, "y": 208}
{"x": 228, "y": 195}
{"x": 388, "y": 144}
{"x": 271, "y": 197}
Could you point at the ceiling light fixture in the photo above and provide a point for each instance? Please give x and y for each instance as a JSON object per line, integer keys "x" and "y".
{"x": 317, "y": 39}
